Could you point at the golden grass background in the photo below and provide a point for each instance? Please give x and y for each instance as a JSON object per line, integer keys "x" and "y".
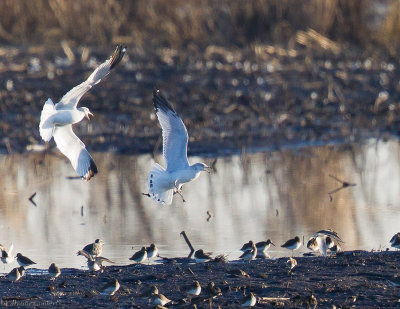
{"x": 198, "y": 23}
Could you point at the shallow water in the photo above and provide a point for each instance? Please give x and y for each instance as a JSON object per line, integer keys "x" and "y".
{"x": 275, "y": 194}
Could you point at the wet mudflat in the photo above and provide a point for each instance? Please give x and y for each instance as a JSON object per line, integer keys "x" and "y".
{"x": 228, "y": 98}
{"x": 351, "y": 278}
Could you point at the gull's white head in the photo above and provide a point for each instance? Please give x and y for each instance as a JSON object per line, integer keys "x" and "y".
{"x": 199, "y": 167}
{"x": 86, "y": 111}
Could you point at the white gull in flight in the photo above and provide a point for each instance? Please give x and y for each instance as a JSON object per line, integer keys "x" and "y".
{"x": 57, "y": 120}
{"x": 164, "y": 183}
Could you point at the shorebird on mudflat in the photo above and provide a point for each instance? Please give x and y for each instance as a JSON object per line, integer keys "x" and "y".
{"x": 395, "y": 237}
{"x": 110, "y": 288}
{"x": 247, "y": 246}
{"x": 6, "y": 256}
{"x": 292, "y": 244}
{"x": 150, "y": 291}
{"x": 159, "y": 300}
{"x": 200, "y": 256}
{"x": 56, "y": 120}
{"x": 249, "y": 300}
{"x": 164, "y": 183}
{"x": 395, "y": 241}
{"x": 193, "y": 289}
{"x": 24, "y": 261}
{"x": 95, "y": 248}
{"x": 151, "y": 251}
{"x": 291, "y": 262}
{"x": 94, "y": 263}
{"x": 22, "y": 271}
{"x": 139, "y": 256}
{"x": 264, "y": 245}
{"x": 13, "y": 275}
{"x": 249, "y": 254}
{"x": 54, "y": 271}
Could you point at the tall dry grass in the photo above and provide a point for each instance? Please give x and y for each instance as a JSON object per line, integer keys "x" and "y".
{"x": 184, "y": 23}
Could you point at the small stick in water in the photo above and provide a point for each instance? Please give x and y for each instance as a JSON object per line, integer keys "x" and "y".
{"x": 183, "y": 233}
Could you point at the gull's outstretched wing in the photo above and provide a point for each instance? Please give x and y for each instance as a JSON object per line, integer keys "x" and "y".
{"x": 330, "y": 233}
{"x": 73, "y": 148}
{"x": 175, "y": 137}
{"x": 71, "y": 98}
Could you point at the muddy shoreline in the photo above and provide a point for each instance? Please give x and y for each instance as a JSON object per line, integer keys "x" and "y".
{"x": 351, "y": 278}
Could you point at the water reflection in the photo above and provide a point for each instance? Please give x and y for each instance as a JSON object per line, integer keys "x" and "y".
{"x": 275, "y": 195}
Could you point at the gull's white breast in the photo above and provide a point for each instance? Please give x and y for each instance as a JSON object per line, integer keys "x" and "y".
{"x": 185, "y": 175}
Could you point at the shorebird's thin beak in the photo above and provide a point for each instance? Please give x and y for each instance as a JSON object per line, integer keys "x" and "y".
{"x": 273, "y": 244}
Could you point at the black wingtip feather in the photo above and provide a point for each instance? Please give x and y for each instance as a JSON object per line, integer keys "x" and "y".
{"x": 117, "y": 55}
{"x": 160, "y": 102}
{"x": 92, "y": 171}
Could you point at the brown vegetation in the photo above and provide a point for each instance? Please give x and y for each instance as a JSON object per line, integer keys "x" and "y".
{"x": 197, "y": 23}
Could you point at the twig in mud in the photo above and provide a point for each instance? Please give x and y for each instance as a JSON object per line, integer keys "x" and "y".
{"x": 191, "y": 271}
{"x": 272, "y": 299}
{"x": 183, "y": 233}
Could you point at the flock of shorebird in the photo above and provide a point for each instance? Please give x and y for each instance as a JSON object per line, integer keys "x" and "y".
{"x": 323, "y": 241}
{"x": 56, "y": 122}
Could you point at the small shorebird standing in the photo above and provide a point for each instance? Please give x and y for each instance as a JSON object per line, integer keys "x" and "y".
{"x": 200, "y": 256}
{"x": 14, "y": 275}
{"x": 291, "y": 262}
{"x": 395, "y": 241}
{"x": 22, "y": 271}
{"x": 247, "y": 246}
{"x": 292, "y": 244}
{"x": 249, "y": 254}
{"x": 312, "y": 244}
{"x": 335, "y": 249}
{"x": 56, "y": 120}
{"x": 54, "y": 271}
{"x": 139, "y": 256}
{"x": 264, "y": 245}
{"x": 159, "y": 300}
{"x": 249, "y": 300}
{"x": 95, "y": 248}
{"x": 24, "y": 261}
{"x": 94, "y": 263}
{"x": 212, "y": 290}
{"x": 110, "y": 287}
{"x": 151, "y": 251}
{"x": 394, "y": 238}
{"x": 164, "y": 183}
{"x": 6, "y": 256}
{"x": 193, "y": 289}
{"x": 151, "y": 291}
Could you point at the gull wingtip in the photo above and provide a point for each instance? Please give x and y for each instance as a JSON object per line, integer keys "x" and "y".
{"x": 117, "y": 56}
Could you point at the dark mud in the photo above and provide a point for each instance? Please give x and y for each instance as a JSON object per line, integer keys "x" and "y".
{"x": 263, "y": 96}
{"x": 355, "y": 278}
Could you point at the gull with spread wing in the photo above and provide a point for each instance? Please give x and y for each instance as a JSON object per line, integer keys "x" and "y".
{"x": 57, "y": 120}
{"x": 164, "y": 183}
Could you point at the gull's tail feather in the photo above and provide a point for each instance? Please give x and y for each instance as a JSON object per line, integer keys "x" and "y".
{"x": 158, "y": 183}
{"x": 46, "y": 126}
